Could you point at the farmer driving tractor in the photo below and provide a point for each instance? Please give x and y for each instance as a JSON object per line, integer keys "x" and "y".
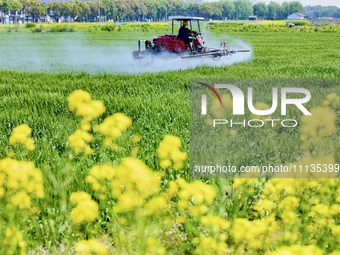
{"x": 185, "y": 34}
{"x": 184, "y": 43}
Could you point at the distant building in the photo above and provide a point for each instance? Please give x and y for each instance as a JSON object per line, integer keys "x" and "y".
{"x": 296, "y": 16}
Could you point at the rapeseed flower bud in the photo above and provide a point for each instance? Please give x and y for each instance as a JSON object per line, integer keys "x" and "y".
{"x": 154, "y": 247}
{"x": 77, "y": 98}
{"x": 91, "y": 110}
{"x": 290, "y": 237}
{"x": 297, "y": 250}
{"x": 289, "y": 202}
{"x": 169, "y": 152}
{"x": 264, "y": 206}
{"x": 85, "y": 210}
{"x": 85, "y": 124}
{"x": 322, "y": 209}
{"x": 112, "y": 128}
{"x": 89, "y": 247}
{"x": 334, "y": 209}
{"x": 20, "y": 200}
{"x": 336, "y": 230}
{"x": 20, "y": 136}
{"x": 12, "y": 240}
{"x": 81, "y": 103}
{"x": 114, "y": 125}
{"x": 136, "y": 138}
{"x": 193, "y": 197}
{"x": 20, "y": 181}
{"x": 78, "y": 141}
{"x": 289, "y": 217}
{"x": 244, "y": 231}
{"x": 12, "y": 236}
{"x": 155, "y": 205}
{"x": 208, "y": 245}
{"x": 132, "y": 183}
{"x": 215, "y": 223}
{"x": 99, "y": 178}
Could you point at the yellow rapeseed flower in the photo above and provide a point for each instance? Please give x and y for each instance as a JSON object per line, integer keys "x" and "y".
{"x": 85, "y": 210}
{"x": 20, "y": 181}
{"x": 169, "y": 152}
{"x": 81, "y": 103}
{"x": 155, "y": 205}
{"x": 12, "y": 240}
{"x": 114, "y": 125}
{"x": 20, "y": 136}
{"x": 297, "y": 250}
{"x": 264, "y": 206}
{"x": 77, "y": 98}
{"x": 89, "y": 247}
{"x": 208, "y": 245}
{"x": 21, "y": 200}
{"x": 131, "y": 183}
{"x": 154, "y": 247}
{"x": 78, "y": 141}
{"x": 136, "y": 138}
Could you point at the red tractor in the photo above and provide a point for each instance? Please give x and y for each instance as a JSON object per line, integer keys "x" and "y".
{"x": 187, "y": 43}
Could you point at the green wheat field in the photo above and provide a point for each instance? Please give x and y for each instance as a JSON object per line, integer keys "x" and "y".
{"x": 102, "y": 164}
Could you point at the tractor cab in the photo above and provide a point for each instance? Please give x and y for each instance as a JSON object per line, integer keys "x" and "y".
{"x": 193, "y": 23}
{"x": 177, "y": 42}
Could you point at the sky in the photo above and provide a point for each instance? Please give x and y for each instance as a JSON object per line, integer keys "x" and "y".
{"x": 303, "y": 2}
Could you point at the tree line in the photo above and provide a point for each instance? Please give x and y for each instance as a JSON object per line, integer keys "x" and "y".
{"x": 158, "y": 10}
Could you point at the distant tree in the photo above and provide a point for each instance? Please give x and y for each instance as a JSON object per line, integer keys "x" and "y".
{"x": 205, "y": 10}
{"x": 211, "y": 10}
{"x": 243, "y": 9}
{"x": 330, "y": 11}
{"x": 108, "y": 8}
{"x": 274, "y": 11}
{"x": 75, "y": 10}
{"x": 53, "y": 8}
{"x": 66, "y": 8}
{"x": 151, "y": 9}
{"x": 316, "y": 11}
{"x": 217, "y": 11}
{"x": 296, "y": 6}
{"x": 190, "y": 8}
{"x": 85, "y": 11}
{"x": 93, "y": 10}
{"x": 261, "y": 10}
{"x": 131, "y": 10}
{"x": 11, "y": 6}
{"x": 291, "y": 7}
{"x": 228, "y": 9}
{"x": 174, "y": 7}
{"x": 122, "y": 9}
{"x": 33, "y": 8}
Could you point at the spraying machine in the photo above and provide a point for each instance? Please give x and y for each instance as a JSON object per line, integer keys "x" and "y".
{"x": 187, "y": 43}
